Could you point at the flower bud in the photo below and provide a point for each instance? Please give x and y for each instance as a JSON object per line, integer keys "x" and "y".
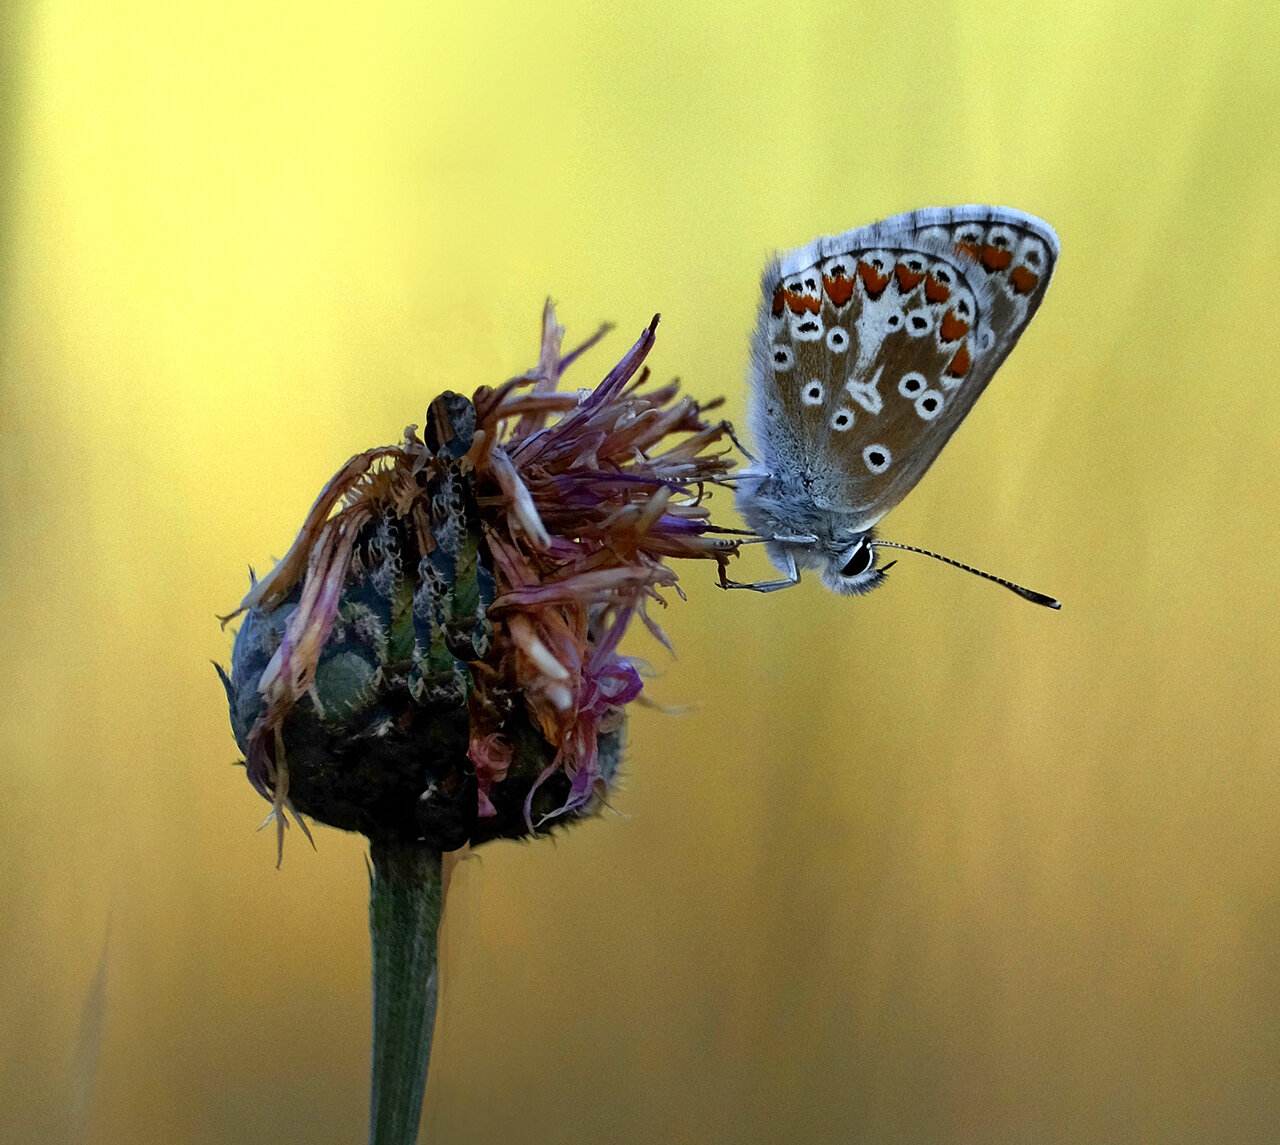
{"x": 435, "y": 659}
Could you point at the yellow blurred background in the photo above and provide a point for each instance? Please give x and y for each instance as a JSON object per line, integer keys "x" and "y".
{"x": 929, "y": 866}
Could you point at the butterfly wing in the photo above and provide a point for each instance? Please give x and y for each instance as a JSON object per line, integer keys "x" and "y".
{"x": 873, "y": 345}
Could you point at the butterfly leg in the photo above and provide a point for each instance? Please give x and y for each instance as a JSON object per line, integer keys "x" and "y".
{"x": 792, "y": 578}
{"x": 728, "y": 428}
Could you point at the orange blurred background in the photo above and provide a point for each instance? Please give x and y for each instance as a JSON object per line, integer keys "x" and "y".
{"x": 933, "y": 865}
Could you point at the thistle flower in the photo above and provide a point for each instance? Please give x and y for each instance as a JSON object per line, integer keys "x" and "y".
{"x": 436, "y": 656}
{"x": 435, "y": 661}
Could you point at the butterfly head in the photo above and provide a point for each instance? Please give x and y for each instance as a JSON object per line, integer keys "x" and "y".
{"x": 851, "y": 569}
{"x": 799, "y": 533}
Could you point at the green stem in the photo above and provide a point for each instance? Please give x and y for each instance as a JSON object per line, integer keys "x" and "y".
{"x": 405, "y": 900}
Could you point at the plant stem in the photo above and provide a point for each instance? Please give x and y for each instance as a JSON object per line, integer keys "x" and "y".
{"x": 405, "y": 901}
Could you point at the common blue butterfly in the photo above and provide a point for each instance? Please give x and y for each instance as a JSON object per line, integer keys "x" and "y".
{"x": 871, "y": 347}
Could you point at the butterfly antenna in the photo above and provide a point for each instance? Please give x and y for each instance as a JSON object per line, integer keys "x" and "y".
{"x": 1025, "y": 593}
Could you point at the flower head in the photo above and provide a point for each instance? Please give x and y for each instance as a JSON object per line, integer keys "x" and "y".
{"x": 437, "y": 655}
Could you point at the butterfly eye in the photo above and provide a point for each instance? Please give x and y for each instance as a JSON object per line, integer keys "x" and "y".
{"x": 861, "y": 559}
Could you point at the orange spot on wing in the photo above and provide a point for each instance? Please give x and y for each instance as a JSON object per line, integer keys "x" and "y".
{"x": 934, "y": 291}
{"x": 959, "y": 365}
{"x": 873, "y": 280}
{"x": 996, "y": 258}
{"x": 777, "y": 302}
{"x": 952, "y": 329}
{"x": 971, "y": 249}
{"x": 908, "y": 279}
{"x": 839, "y": 289}
{"x": 802, "y": 303}
{"x": 1024, "y": 281}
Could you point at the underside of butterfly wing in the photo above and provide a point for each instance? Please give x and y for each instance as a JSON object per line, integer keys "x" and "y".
{"x": 873, "y": 345}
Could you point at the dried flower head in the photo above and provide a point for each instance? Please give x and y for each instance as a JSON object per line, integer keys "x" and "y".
{"x": 436, "y": 657}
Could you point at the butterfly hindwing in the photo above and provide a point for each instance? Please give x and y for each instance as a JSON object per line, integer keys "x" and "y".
{"x": 873, "y": 345}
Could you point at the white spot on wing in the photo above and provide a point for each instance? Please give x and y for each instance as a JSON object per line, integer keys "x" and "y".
{"x": 842, "y": 420}
{"x": 950, "y": 381}
{"x": 876, "y": 458}
{"x": 805, "y": 283}
{"x": 1032, "y": 254}
{"x": 842, "y": 267}
{"x": 812, "y": 394}
{"x": 961, "y": 301}
{"x": 929, "y": 405}
{"x": 916, "y": 264}
{"x": 866, "y": 394}
{"x": 881, "y": 261}
{"x": 912, "y": 385}
{"x": 944, "y": 274}
{"x": 876, "y": 322}
{"x": 919, "y": 322}
{"x": 806, "y": 327}
{"x": 837, "y": 340}
{"x": 1002, "y": 238}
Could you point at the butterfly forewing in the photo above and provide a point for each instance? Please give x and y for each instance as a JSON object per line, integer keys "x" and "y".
{"x": 873, "y": 345}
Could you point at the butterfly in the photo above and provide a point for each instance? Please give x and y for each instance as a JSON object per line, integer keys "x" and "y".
{"x": 870, "y": 349}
